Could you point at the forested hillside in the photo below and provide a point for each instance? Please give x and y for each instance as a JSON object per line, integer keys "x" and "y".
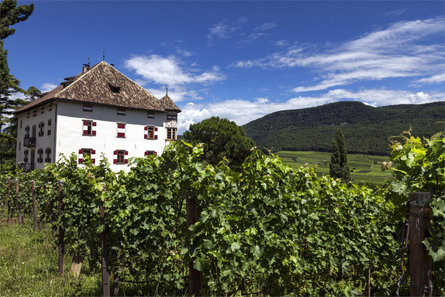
{"x": 366, "y": 128}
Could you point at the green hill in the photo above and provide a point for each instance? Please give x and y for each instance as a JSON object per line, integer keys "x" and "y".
{"x": 366, "y": 128}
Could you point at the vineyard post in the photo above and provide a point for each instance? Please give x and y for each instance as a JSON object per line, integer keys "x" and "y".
{"x": 420, "y": 262}
{"x": 105, "y": 270}
{"x": 9, "y": 204}
{"x": 34, "y": 204}
{"x": 17, "y": 196}
{"x": 194, "y": 275}
{"x": 61, "y": 242}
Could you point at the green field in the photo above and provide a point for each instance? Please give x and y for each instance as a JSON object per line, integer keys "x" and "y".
{"x": 364, "y": 168}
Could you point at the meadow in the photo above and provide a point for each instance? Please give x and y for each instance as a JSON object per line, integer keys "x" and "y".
{"x": 365, "y": 169}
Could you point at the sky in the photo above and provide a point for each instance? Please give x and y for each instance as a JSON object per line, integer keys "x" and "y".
{"x": 242, "y": 60}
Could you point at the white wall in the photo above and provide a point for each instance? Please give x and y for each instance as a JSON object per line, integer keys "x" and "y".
{"x": 30, "y": 118}
{"x": 69, "y": 138}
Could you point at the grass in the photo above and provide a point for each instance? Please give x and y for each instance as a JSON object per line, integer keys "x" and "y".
{"x": 28, "y": 265}
{"x": 366, "y": 169}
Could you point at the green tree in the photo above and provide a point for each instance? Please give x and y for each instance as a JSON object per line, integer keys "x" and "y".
{"x": 339, "y": 159}
{"x": 10, "y": 14}
{"x": 222, "y": 139}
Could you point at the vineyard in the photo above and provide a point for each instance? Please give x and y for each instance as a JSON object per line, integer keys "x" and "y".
{"x": 175, "y": 225}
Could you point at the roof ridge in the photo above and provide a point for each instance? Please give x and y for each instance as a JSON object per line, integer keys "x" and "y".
{"x": 82, "y": 75}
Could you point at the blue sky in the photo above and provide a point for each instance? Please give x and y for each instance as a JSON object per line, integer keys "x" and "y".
{"x": 243, "y": 59}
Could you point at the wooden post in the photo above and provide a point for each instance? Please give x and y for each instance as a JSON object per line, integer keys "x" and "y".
{"x": 420, "y": 262}
{"x": 17, "y": 196}
{"x": 61, "y": 240}
{"x": 194, "y": 275}
{"x": 34, "y": 204}
{"x": 9, "y": 204}
{"x": 105, "y": 270}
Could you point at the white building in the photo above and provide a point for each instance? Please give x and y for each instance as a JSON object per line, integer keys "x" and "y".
{"x": 97, "y": 112}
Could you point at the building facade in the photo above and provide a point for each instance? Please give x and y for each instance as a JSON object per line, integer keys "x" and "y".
{"x": 99, "y": 113}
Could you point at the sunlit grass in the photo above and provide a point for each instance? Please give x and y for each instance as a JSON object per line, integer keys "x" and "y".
{"x": 365, "y": 168}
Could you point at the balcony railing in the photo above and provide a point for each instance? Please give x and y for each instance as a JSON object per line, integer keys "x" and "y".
{"x": 29, "y": 141}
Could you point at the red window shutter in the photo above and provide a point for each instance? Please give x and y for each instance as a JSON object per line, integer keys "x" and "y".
{"x": 156, "y": 128}
{"x": 85, "y": 123}
{"x": 93, "y": 161}
{"x": 155, "y": 153}
{"x": 115, "y": 161}
{"x": 93, "y": 152}
{"x": 115, "y": 153}
{"x": 93, "y": 133}
{"x": 94, "y": 124}
{"x": 80, "y": 161}
{"x": 121, "y": 126}
{"x": 26, "y": 152}
{"x": 126, "y": 153}
{"x": 146, "y": 153}
{"x": 126, "y": 161}
{"x": 145, "y": 136}
{"x": 156, "y": 136}
{"x": 120, "y": 134}
{"x": 85, "y": 132}
{"x": 145, "y": 128}
{"x": 25, "y": 160}
{"x": 80, "y": 151}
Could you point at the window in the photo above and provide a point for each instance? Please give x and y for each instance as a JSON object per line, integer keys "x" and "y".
{"x": 114, "y": 89}
{"x": 150, "y": 153}
{"x": 120, "y": 157}
{"x": 89, "y": 128}
{"x": 26, "y": 131}
{"x": 42, "y": 110}
{"x": 172, "y": 117}
{"x": 27, "y": 115}
{"x": 171, "y": 133}
{"x": 48, "y": 155}
{"x": 49, "y": 127}
{"x": 121, "y": 111}
{"x": 40, "y": 155}
{"x": 150, "y": 114}
{"x": 120, "y": 130}
{"x": 88, "y": 108}
{"x": 34, "y": 113}
{"x": 50, "y": 107}
{"x": 20, "y": 146}
{"x": 86, "y": 152}
{"x": 41, "y": 127}
{"x": 25, "y": 159}
{"x": 150, "y": 132}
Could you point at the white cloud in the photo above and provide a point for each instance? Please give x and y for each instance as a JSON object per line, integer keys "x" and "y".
{"x": 169, "y": 70}
{"x": 433, "y": 79}
{"x": 224, "y": 30}
{"x": 46, "y": 87}
{"x": 401, "y": 50}
{"x": 247, "y": 111}
{"x": 177, "y": 94}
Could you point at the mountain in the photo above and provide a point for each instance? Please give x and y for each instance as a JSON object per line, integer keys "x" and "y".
{"x": 367, "y": 129}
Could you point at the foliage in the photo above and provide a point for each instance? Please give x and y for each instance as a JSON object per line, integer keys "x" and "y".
{"x": 366, "y": 128}
{"x": 266, "y": 229}
{"x": 222, "y": 139}
{"x": 338, "y": 168}
{"x": 419, "y": 166}
{"x": 10, "y": 14}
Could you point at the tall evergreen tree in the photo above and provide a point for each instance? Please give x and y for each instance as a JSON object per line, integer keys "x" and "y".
{"x": 10, "y": 14}
{"x": 339, "y": 159}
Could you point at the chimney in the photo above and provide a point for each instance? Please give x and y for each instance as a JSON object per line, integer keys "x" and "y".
{"x": 85, "y": 68}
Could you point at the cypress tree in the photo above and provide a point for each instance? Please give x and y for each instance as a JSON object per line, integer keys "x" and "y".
{"x": 339, "y": 158}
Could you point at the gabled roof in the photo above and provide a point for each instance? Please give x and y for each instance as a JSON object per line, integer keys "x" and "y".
{"x": 101, "y": 84}
{"x": 168, "y": 104}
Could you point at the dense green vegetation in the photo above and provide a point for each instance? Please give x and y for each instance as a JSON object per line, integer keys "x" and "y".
{"x": 222, "y": 140}
{"x": 338, "y": 168}
{"x": 366, "y": 129}
{"x": 269, "y": 229}
{"x": 365, "y": 169}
